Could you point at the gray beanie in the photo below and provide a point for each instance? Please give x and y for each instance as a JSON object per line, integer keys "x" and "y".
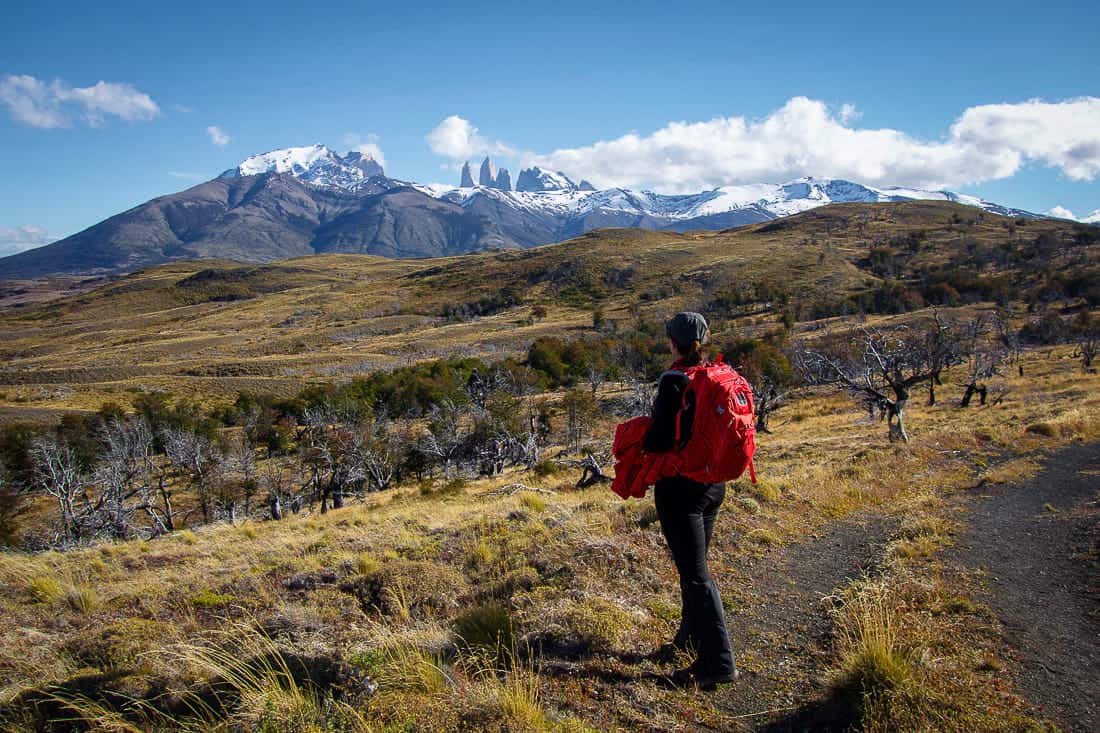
{"x": 686, "y": 327}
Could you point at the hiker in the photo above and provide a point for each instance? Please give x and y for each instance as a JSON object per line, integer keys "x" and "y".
{"x": 687, "y": 510}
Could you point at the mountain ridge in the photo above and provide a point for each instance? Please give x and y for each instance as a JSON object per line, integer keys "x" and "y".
{"x": 309, "y": 200}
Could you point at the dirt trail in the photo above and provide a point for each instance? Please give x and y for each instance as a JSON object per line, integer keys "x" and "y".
{"x": 780, "y": 625}
{"x": 1039, "y": 573}
{"x": 1041, "y": 576}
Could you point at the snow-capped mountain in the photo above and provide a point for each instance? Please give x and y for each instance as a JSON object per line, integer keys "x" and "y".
{"x": 553, "y": 193}
{"x": 315, "y": 164}
{"x": 556, "y": 193}
{"x": 310, "y": 200}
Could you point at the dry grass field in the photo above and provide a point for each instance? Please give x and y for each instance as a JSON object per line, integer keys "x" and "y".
{"x": 213, "y": 329}
{"x": 411, "y": 588}
{"x": 518, "y": 602}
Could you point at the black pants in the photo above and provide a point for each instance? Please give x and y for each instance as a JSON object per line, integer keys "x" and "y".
{"x": 687, "y": 510}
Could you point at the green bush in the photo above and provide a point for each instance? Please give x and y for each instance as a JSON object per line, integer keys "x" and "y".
{"x": 488, "y": 626}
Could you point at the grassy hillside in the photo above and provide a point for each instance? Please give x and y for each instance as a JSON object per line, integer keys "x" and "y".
{"x": 386, "y": 615}
{"x": 517, "y": 601}
{"x": 215, "y": 328}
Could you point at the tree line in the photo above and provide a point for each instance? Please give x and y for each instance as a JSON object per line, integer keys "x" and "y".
{"x": 168, "y": 463}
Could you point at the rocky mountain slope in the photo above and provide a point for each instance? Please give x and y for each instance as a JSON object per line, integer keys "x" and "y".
{"x": 311, "y": 200}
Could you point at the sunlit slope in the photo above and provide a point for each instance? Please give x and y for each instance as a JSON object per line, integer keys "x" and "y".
{"x": 217, "y": 327}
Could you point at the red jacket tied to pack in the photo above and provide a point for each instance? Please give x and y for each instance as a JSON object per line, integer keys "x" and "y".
{"x": 722, "y": 442}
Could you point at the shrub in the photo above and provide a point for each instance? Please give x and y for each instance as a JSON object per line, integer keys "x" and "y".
{"x": 401, "y": 666}
{"x": 763, "y": 536}
{"x": 872, "y": 663}
{"x": 365, "y": 564}
{"x": 82, "y": 598}
{"x": 119, "y": 645}
{"x": 518, "y": 696}
{"x": 599, "y": 624}
{"x": 406, "y": 588}
{"x": 765, "y": 490}
{"x": 487, "y": 626}
{"x": 545, "y": 468}
{"x": 749, "y": 504}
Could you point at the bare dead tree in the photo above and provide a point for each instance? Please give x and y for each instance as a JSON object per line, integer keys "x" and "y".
{"x": 640, "y": 394}
{"x": 1088, "y": 342}
{"x": 941, "y": 349}
{"x": 591, "y": 473}
{"x": 57, "y": 472}
{"x": 1007, "y": 336}
{"x": 878, "y": 367}
{"x": 332, "y": 449}
{"x": 382, "y": 449}
{"x": 596, "y": 374}
{"x": 129, "y": 479}
{"x": 198, "y": 459}
{"x": 984, "y": 359}
{"x": 275, "y": 479}
{"x": 767, "y": 398}
{"x": 581, "y": 411}
{"x": 443, "y": 440}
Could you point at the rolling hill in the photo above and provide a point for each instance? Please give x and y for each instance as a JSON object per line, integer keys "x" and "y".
{"x": 217, "y": 327}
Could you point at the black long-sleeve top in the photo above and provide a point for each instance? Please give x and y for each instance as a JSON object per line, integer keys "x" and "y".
{"x": 661, "y": 436}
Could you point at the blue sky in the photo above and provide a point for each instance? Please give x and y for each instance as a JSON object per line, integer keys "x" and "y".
{"x": 914, "y": 94}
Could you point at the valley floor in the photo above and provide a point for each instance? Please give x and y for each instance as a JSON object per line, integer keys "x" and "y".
{"x": 947, "y": 584}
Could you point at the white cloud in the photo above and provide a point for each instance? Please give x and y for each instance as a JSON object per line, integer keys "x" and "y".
{"x": 367, "y": 146}
{"x": 218, "y": 136}
{"x": 38, "y": 104}
{"x": 849, "y": 113}
{"x": 1062, "y": 213}
{"x": 31, "y": 102}
{"x": 22, "y": 238}
{"x": 1063, "y": 135}
{"x": 457, "y": 139}
{"x": 805, "y": 137}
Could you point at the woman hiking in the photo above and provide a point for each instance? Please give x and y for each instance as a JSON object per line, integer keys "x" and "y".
{"x": 687, "y": 510}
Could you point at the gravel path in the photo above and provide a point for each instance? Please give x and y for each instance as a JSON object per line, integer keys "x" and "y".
{"x": 1036, "y": 544}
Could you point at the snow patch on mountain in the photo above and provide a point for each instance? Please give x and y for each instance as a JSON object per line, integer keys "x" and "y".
{"x": 315, "y": 164}
{"x": 536, "y": 180}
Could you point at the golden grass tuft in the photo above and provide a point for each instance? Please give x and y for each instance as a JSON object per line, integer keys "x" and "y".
{"x": 871, "y": 661}
{"x": 520, "y": 700}
{"x": 82, "y": 598}
{"x": 405, "y": 667}
{"x": 44, "y": 589}
{"x": 534, "y": 502}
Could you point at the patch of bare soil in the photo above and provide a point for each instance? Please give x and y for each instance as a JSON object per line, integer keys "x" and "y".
{"x": 1035, "y": 546}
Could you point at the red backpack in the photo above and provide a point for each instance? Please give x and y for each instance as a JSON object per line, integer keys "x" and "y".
{"x": 723, "y": 432}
